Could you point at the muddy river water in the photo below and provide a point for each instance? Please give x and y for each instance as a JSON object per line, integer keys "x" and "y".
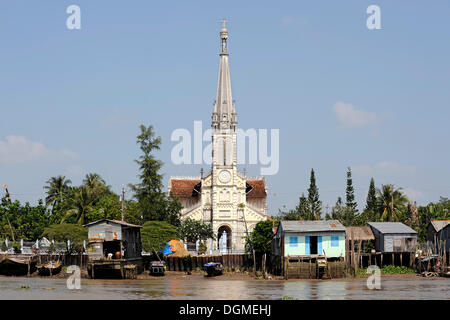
{"x": 217, "y": 288}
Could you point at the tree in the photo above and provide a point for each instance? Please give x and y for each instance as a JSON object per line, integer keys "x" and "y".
{"x": 22, "y": 221}
{"x": 80, "y": 203}
{"x": 193, "y": 230}
{"x": 65, "y": 231}
{"x": 95, "y": 183}
{"x": 57, "y": 188}
{"x": 371, "y": 211}
{"x": 338, "y": 210}
{"x": 155, "y": 235}
{"x": 153, "y": 202}
{"x": 371, "y": 200}
{"x": 350, "y": 194}
{"x": 314, "y": 205}
{"x": 261, "y": 237}
{"x": 392, "y": 201}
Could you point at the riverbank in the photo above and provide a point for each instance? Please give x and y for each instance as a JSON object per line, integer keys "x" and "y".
{"x": 236, "y": 276}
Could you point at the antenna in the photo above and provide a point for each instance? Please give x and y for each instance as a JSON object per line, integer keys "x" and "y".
{"x": 123, "y": 202}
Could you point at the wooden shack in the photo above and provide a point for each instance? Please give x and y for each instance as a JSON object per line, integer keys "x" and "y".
{"x": 393, "y": 237}
{"x": 439, "y": 234}
{"x": 115, "y": 249}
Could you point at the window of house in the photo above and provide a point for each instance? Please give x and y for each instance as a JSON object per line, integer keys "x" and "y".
{"x": 293, "y": 241}
{"x": 335, "y": 241}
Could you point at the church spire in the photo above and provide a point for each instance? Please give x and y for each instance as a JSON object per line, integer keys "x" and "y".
{"x": 224, "y": 115}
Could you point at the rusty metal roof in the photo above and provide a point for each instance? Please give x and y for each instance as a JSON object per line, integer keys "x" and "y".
{"x": 123, "y": 223}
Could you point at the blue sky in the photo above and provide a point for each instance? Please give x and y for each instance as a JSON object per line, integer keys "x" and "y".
{"x": 71, "y": 101}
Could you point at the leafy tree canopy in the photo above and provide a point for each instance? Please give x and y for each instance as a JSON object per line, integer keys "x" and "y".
{"x": 193, "y": 230}
{"x": 155, "y": 235}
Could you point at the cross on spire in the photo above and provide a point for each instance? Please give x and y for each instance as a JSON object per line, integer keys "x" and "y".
{"x": 224, "y": 23}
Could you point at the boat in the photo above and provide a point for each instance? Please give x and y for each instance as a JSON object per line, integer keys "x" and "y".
{"x": 157, "y": 268}
{"x": 49, "y": 269}
{"x": 17, "y": 265}
{"x": 213, "y": 268}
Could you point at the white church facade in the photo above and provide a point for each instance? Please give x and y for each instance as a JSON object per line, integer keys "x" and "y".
{"x": 224, "y": 197}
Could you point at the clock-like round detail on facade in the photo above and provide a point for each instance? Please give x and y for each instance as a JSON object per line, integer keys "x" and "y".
{"x": 224, "y": 176}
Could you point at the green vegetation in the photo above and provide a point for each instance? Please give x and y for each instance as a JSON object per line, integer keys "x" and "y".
{"x": 260, "y": 239}
{"x": 193, "y": 230}
{"x": 155, "y": 235}
{"x": 308, "y": 208}
{"x": 389, "y": 269}
{"x": 387, "y": 203}
{"x": 67, "y": 205}
{"x": 153, "y": 202}
{"x": 65, "y": 231}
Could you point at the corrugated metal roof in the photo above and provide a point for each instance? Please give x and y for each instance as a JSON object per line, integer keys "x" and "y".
{"x": 113, "y": 221}
{"x": 391, "y": 227}
{"x": 438, "y": 225}
{"x": 311, "y": 226}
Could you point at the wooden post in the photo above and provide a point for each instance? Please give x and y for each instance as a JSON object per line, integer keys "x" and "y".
{"x": 393, "y": 259}
{"x": 381, "y": 258}
{"x": 286, "y": 267}
{"x": 254, "y": 262}
{"x": 401, "y": 259}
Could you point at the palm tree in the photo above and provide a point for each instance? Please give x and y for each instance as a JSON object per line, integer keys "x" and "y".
{"x": 392, "y": 201}
{"x": 80, "y": 203}
{"x": 57, "y": 188}
{"x": 95, "y": 183}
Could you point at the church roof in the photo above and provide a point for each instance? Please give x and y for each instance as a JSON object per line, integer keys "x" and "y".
{"x": 258, "y": 189}
{"x": 183, "y": 188}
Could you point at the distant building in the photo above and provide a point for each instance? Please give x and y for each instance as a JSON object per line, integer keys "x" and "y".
{"x": 439, "y": 231}
{"x": 393, "y": 237}
{"x": 309, "y": 238}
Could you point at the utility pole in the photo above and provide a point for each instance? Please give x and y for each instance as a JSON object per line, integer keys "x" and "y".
{"x": 123, "y": 203}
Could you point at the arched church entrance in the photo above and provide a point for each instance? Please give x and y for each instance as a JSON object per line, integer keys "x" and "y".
{"x": 220, "y": 240}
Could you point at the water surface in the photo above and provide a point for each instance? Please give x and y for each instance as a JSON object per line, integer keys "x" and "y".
{"x": 217, "y": 288}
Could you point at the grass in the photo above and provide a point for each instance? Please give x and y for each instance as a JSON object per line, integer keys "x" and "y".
{"x": 287, "y": 298}
{"x": 389, "y": 269}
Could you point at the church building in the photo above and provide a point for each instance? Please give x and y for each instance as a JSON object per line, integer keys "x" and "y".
{"x": 224, "y": 197}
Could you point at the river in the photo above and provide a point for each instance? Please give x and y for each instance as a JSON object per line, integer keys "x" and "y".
{"x": 217, "y": 288}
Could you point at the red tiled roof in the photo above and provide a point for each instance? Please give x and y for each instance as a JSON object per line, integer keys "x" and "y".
{"x": 183, "y": 188}
{"x": 258, "y": 191}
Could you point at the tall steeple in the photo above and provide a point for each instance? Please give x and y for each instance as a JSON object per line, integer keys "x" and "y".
{"x": 224, "y": 115}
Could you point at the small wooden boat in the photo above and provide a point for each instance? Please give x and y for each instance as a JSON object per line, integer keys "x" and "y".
{"x": 213, "y": 268}
{"x": 49, "y": 269}
{"x": 157, "y": 268}
{"x": 17, "y": 265}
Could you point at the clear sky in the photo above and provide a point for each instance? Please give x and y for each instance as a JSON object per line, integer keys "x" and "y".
{"x": 71, "y": 101}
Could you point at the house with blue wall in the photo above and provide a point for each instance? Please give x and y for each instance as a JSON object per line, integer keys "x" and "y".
{"x": 309, "y": 239}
